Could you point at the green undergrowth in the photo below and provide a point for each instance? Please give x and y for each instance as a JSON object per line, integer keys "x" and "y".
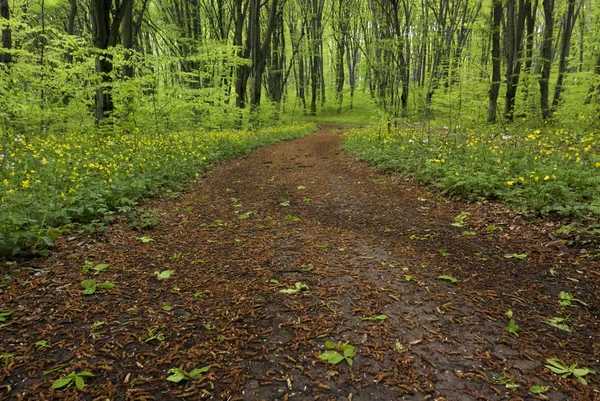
{"x": 540, "y": 172}
{"x": 49, "y": 181}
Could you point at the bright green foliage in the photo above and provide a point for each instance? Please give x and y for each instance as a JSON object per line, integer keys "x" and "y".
{"x": 538, "y": 389}
{"x": 53, "y": 180}
{"x": 298, "y": 288}
{"x": 165, "y": 274}
{"x": 448, "y": 278}
{"x": 567, "y": 299}
{"x": 560, "y": 368}
{"x": 70, "y": 379}
{"x": 99, "y": 268}
{"x": 337, "y": 353}
{"x": 90, "y": 286}
{"x": 374, "y": 318}
{"x": 539, "y": 171}
{"x": 178, "y": 375}
{"x": 4, "y": 314}
{"x": 559, "y": 323}
{"x": 6, "y": 357}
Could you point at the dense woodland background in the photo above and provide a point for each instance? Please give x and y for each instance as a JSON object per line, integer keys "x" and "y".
{"x": 176, "y": 64}
{"x": 93, "y": 89}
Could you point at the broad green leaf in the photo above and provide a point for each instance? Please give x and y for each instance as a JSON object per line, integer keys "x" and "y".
{"x": 99, "y": 268}
{"x": 559, "y": 323}
{"x": 88, "y": 283}
{"x": 177, "y": 375}
{"x": 330, "y": 345}
{"x": 79, "y": 383}
{"x": 332, "y": 357}
{"x": 107, "y": 285}
{"x": 62, "y": 382}
{"x": 165, "y": 274}
{"x": 538, "y": 389}
{"x": 85, "y": 374}
{"x": 198, "y": 372}
{"x": 168, "y": 308}
{"x": 451, "y": 279}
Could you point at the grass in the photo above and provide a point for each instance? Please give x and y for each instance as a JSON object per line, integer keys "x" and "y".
{"x": 540, "y": 172}
{"x": 48, "y": 182}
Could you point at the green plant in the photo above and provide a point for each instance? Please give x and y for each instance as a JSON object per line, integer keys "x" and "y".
{"x": 42, "y": 344}
{"x": 538, "y": 389}
{"x": 154, "y": 336}
{"x": 520, "y": 256}
{"x": 298, "y": 288}
{"x": 90, "y": 286}
{"x": 492, "y": 228}
{"x": 559, "y": 323}
{"x": 285, "y": 203}
{"x": 448, "y": 278}
{"x": 459, "y": 221}
{"x": 99, "y": 268}
{"x": 560, "y": 368}
{"x": 6, "y": 357}
{"x": 72, "y": 378}
{"x": 178, "y": 375}
{"x": 146, "y": 220}
{"x": 145, "y": 239}
{"x": 567, "y": 299}
{"x": 4, "y": 314}
{"x": 289, "y": 217}
{"x": 165, "y": 274}
{"x": 374, "y": 318}
{"x": 337, "y": 353}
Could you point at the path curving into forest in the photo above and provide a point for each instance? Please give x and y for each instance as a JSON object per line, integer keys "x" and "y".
{"x": 364, "y": 243}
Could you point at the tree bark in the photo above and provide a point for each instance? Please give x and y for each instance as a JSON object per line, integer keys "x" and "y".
{"x": 546, "y": 55}
{"x": 5, "y": 57}
{"x": 496, "y": 77}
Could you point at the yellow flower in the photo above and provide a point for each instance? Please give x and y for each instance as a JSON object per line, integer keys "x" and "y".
{"x": 521, "y": 179}
{"x": 597, "y": 165}
{"x": 546, "y": 178}
{"x": 509, "y": 182}
{"x": 6, "y": 181}
{"x": 25, "y": 184}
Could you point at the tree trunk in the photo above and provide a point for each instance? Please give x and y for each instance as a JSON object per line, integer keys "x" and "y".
{"x": 565, "y": 46}
{"x": 495, "y": 88}
{"x": 515, "y": 26}
{"x": 127, "y": 39}
{"x": 546, "y": 55}
{"x": 5, "y": 57}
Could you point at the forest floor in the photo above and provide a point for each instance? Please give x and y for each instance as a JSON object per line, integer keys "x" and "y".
{"x": 365, "y": 244}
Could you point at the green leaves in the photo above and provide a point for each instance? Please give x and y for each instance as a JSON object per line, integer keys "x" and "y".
{"x": 99, "y": 268}
{"x": 90, "y": 286}
{"x": 448, "y": 278}
{"x": 72, "y": 378}
{"x": 298, "y": 288}
{"x": 373, "y": 318}
{"x": 145, "y": 239}
{"x": 165, "y": 274}
{"x": 559, "y": 323}
{"x": 459, "y": 221}
{"x": 520, "y": 256}
{"x": 560, "y": 368}
{"x": 567, "y": 299}
{"x": 4, "y": 314}
{"x": 337, "y": 353}
{"x": 178, "y": 375}
{"x": 538, "y": 389}
{"x": 292, "y": 218}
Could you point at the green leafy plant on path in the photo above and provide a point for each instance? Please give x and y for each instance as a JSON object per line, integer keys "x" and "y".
{"x": 567, "y": 299}
{"x": 538, "y": 389}
{"x": 42, "y": 344}
{"x": 178, "y": 375}
{"x": 154, "y": 336}
{"x": 448, "y": 278}
{"x": 512, "y": 327}
{"x": 290, "y": 217}
{"x": 72, "y": 378}
{"x": 519, "y": 256}
{"x": 559, "y": 323}
{"x": 99, "y": 268}
{"x": 145, "y": 239}
{"x": 560, "y": 368}
{"x": 459, "y": 221}
{"x": 90, "y": 286}
{"x": 337, "y": 353}
{"x": 298, "y": 288}
{"x": 374, "y": 318}
{"x": 165, "y": 274}
{"x": 4, "y": 314}
{"x": 6, "y": 357}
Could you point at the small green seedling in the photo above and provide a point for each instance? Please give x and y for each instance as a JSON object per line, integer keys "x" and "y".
{"x": 306, "y": 200}
{"x": 301, "y": 187}
{"x": 42, "y": 344}
{"x": 322, "y": 246}
{"x": 154, "y": 336}
{"x": 72, "y": 378}
{"x": 95, "y": 325}
{"x": 374, "y": 318}
{"x": 284, "y": 203}
{"x": 4, "y": 314}
{"x": 459, "y": 221}
{"x": 408, "y": 278}
{"x": 513, "y": 328}
{"x": 560, "y": 368}
{"x": 567, "y": 299}
{"x": 519, "y": 256}
{"x": 298, "y": 288}
{"x": 469, "y": 233}
{"x": 337, "y": 353}
{"x": 559, "y": 323}
{"x": 289, "y": 217}
{"x": 538, "y": 389}
{"x": 399, "y": 347}
{"x": 491, "y": 228}
{"x": 178, "y": 375}
{"x": 145, "y": 239}
{"x": 6, "y": 357}
{"x": 90, "y": 286}
{"x": 273, "y": 281}
{"x": 167, "y": 308}
{"x": 448, "y": 278}
{"x": 99, "y": 268}
{"x": 165, "y": 274}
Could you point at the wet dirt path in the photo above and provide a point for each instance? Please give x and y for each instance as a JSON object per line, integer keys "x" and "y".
{"x": 365, "y": 244}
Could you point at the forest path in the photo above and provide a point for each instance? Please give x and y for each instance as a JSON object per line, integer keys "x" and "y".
{"x": 364, "y": 243}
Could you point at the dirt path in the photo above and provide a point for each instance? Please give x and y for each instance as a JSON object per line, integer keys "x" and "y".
{"x": 363, "y": 242}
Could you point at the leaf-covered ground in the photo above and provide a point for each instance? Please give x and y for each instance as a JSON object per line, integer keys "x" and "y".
{"x": 203, "y": 289}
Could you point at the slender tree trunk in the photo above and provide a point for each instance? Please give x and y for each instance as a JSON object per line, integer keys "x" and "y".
{"x": 546, "y": 55}
{"x": 496, "y": 77}
{"x": 127, "y": 39}
{"x": 5, "y": 57}
{"x": 72, "y": 16}
{"x": 569, "y": 20}
{"x": 515, "y": 24}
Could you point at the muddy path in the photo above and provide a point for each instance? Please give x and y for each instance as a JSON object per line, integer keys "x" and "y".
{"x": 363, "y": 243}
